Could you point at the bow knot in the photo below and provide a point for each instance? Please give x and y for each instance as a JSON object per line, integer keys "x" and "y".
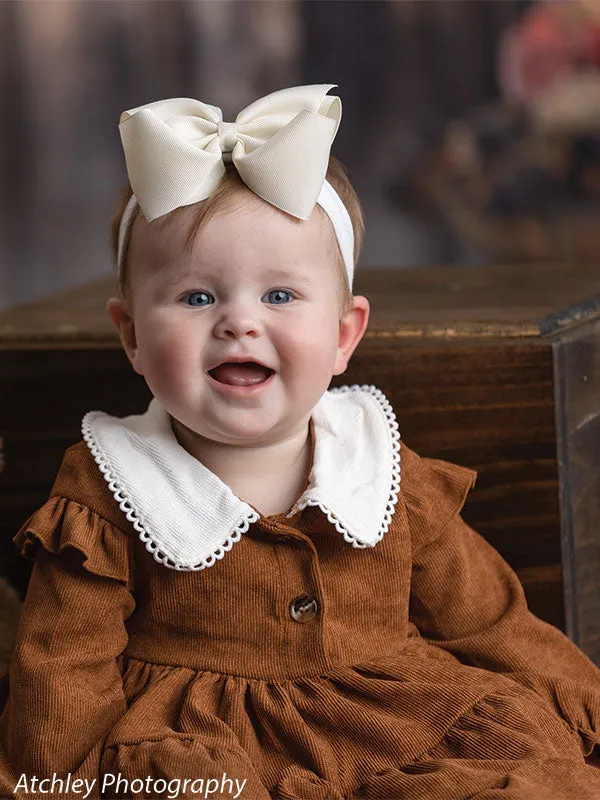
{"x": 227, "y": 132}
{"x": 175, "y": 149}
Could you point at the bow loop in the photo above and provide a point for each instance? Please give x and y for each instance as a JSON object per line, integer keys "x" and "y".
{"x": 175, "y": 107}
{"x": 280, "y": 144}
{"x": 290, "y": 182}
{"x": 286, "y": 103}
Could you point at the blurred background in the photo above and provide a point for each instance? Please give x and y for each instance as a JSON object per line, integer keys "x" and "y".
{"x": 471, "y": 129}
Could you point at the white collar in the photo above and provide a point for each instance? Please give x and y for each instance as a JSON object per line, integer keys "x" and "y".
{"x": 188, "y": 517}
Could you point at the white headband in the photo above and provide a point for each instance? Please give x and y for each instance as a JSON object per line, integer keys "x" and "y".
{"x": 328, "y": 199}
{"x": 280, "y": 144}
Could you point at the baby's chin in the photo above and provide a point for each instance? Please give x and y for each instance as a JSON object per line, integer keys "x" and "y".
{"x": 261, "y": 433}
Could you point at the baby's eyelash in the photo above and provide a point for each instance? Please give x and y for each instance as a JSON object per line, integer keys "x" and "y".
{"x": 291, "y": 292}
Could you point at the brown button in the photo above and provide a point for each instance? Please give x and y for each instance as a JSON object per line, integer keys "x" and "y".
{"x": 303, "y": 608}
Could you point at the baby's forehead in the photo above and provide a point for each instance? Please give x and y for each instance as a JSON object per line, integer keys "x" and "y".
{"x": 168, "y": 246}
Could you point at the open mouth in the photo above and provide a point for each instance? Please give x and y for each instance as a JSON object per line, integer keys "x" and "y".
{"x": 246, "y": 373}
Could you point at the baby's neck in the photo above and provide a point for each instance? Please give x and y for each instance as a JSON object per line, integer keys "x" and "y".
{"x": 269, "y": 478}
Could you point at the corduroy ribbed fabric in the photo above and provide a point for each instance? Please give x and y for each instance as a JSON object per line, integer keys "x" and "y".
{"x": 422, "y": 675}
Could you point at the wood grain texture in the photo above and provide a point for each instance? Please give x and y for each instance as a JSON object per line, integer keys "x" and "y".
{"x": 577, "y": 373}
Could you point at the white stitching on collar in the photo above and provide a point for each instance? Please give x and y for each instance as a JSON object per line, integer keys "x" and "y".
{"x": 312, "y": 496}
{"x": 126, "y": 505}
{"x": 395, "y": 484}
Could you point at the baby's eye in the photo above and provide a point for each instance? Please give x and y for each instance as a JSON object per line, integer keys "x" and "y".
{"x": 279, "y": 293}
{"x": 197, "y": 294}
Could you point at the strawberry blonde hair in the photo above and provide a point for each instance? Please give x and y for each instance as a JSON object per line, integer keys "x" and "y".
{"x": 203, "y": 210}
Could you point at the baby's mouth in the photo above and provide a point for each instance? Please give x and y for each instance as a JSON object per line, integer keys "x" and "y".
{"x": 244, "y": 374}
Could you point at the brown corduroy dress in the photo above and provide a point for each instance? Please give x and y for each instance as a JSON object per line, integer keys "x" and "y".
{"x": 421, "y": 675}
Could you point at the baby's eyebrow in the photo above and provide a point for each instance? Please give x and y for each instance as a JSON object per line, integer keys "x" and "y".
{"x": 269, "y": 274}
{"x": 288, "y": 275}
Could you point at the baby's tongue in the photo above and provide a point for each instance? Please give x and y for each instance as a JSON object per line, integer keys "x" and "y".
{"x": 240, "y": 374}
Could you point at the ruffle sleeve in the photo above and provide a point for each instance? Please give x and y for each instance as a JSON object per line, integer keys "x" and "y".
{"x": 467, "y": 600}
{"x": 62, "y": 524}
{"x": 434, "y": 492}
{"x": 63, "y": 692}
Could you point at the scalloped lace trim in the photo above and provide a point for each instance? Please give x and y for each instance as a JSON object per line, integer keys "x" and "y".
{"x": 396, "y": 469}
{"x": 120, "y": 494}
{"x": 126, "y": 505}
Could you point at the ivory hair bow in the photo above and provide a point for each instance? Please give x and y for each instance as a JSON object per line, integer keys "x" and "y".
{"x": 175, "y": 149}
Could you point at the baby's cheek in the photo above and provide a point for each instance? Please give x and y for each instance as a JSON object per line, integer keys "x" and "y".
{"x": 321, "y": 342}
{"x": 312, "y": 365}
{"x": 171, "y": 359}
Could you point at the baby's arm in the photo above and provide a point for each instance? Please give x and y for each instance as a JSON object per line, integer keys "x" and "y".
{"x": 65, "y": 690}
{"x": 466, "y": 599}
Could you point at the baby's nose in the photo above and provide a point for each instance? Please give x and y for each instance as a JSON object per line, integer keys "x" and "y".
{"x": 238, "y": 325}
{"x": 236, "y": 330}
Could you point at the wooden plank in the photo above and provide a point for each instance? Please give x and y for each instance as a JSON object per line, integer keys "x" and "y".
{"x": 443, "y": 302}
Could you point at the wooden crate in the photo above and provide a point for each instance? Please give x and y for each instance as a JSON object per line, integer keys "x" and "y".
{"x": 495, "y": 368}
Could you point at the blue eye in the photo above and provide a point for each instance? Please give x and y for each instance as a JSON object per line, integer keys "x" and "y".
{"x": 280, "y": 292}
{"x": 192, "y": 294}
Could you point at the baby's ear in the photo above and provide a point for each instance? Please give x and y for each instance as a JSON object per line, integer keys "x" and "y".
{"x": 352, "y": 328}
{"x": 120, "y": 315}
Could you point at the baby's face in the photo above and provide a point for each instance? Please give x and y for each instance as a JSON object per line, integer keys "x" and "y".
{"x": 258, "y": 285}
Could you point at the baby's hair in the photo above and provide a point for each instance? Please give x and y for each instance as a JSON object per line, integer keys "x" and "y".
{"x": 204, "y": 209}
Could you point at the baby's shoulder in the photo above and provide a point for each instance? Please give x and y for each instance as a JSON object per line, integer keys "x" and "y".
{"x": 81, "y": 515}
{"x": 436, "y": 472}
{"x": 81, "y": 480}
{"x": 433, "y": 489}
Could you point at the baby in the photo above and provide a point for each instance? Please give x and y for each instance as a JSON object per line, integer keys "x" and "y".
{"x": 249, "y": 590}
{"x": 240, "y": 369}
